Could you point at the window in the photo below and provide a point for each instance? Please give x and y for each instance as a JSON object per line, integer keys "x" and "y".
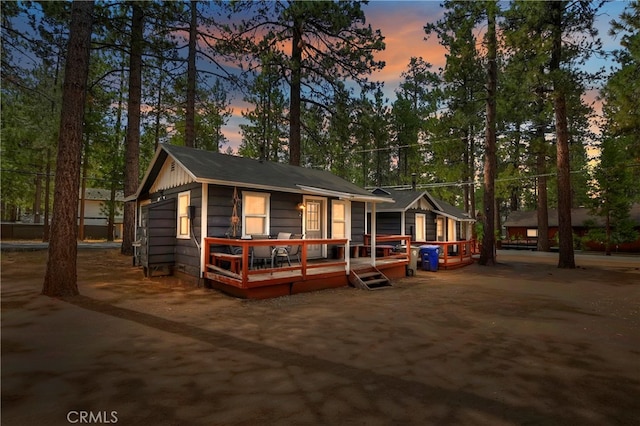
{"x": 255, "y": 213}
{"x": 421, "y": 227}
{"x": 313, "y": 216}
{"x": 532, "y": 233}
{"x": 183, "y": 215}
{"x": 440, "y": 228}
{"x": 339, "y": 219}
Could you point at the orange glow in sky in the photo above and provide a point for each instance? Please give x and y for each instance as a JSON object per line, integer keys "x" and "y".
{"x": 402, "y": 25}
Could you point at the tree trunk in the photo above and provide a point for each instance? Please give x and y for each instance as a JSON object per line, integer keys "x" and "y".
{"x": 607, "y": 241}
{"x": 540, "y": 149}
{"x": 37, "y": 203}
{"x": 295, "y": 105}
{"x": 61, "y": 275}
{"x": 112, "y": 212}
{"x": 132, "y": 150}
{"x": 47, "y": 190}
{"x": 83, "y": 190}
{"x": 566, "y": 257}
{"x": 488, "y": 254}
{"x": 190, "y": 114}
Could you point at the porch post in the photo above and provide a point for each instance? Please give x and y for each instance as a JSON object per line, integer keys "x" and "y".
{"x": 204, "y": 213}
{"x": 373, "y": 233}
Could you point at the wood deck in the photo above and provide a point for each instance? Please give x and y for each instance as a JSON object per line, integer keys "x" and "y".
{"x": 236, "y": 278}
{"x": 231, "y": 273}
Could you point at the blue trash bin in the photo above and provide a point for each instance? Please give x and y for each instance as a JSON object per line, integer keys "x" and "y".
{"x": 424, "y": 258}
{"x": 429, "y": 255}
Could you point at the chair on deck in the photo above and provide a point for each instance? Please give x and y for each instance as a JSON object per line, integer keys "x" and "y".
{"x": 261, "y": 253}
{"x": 281, "y": 253}
{"x": 295, "y": 250}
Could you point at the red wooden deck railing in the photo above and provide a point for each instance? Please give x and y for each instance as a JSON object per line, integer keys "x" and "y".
{"x": 455, "y": 254}
{"x": 240, "y": 275}
{"x": 247, "y": 277}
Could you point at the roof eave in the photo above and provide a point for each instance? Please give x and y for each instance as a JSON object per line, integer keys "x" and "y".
{"x": 344, "y": 195}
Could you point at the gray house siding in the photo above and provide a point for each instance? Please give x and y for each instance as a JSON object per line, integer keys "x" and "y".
{"x": 158, "y": 235}
{"x": 388, "y": 223}
{"x": 186, "y": 253}
{"x": 219, "y": 211}
{"x": 284, "y": 215}
{"x": 431, "y": 226}
{"x": 358, "y": 222}
{"x": 410, "y": 223}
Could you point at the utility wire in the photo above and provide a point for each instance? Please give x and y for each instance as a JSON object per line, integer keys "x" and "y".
{"x": 473, "y": 183}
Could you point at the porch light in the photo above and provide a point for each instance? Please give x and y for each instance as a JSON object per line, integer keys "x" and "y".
{"x": 300, "y": 206}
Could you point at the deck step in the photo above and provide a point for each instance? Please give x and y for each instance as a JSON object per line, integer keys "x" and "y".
{"x": 369, "y": 280}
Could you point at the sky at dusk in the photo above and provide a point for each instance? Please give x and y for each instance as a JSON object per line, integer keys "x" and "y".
{"x": 401, "y": 24}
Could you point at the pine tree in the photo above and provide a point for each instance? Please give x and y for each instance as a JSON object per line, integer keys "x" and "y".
{"x": 328, "y": 43}
{"x": 61, "y": 276}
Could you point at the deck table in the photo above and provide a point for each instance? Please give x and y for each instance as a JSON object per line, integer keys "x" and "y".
{"x": 233, "y": 259}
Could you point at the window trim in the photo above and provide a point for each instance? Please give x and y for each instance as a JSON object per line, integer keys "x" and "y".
{"x": 422, "y": 219}
{"x": 185, "y": 215}
{"x": 267, "y": 216}
{"x": 345, "y": 221}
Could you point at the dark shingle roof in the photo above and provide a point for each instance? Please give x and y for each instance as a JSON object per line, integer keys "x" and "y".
{"x": 222, "y": 169}
{"x": 404, "y": 199}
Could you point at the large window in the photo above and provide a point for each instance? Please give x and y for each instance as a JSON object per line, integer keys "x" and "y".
{"x": 255, "y": 213}
{"x": 183, "y": 215}
{"x": 339, "y": 219}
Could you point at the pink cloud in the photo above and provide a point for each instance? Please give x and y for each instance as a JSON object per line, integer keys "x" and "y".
{"x": 402, "y": 25}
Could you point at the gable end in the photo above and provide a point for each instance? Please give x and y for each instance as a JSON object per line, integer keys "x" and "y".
{"x": 171, "y": 175}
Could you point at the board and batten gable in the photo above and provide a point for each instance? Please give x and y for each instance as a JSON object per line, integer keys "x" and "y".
{"x": 171, "y": 175}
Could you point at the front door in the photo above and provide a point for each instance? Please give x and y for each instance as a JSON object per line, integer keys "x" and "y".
{"x": 315, "y": 219}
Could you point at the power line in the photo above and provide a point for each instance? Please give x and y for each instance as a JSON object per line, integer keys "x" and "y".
{"x": 29, "y": 172}
{"x": 473, "y": 183}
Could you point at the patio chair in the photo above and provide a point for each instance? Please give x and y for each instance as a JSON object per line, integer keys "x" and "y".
{"x": 261, "y": 253}
{"x": 295, "y": 250}
{"x": 281, "y": 253}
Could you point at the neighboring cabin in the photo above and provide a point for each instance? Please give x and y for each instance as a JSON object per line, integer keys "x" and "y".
{"x": 422, "y": 216}
{"x": 95, "y": 218}
{"x": 522, "y": 228}
{"x": 95, "y": 212}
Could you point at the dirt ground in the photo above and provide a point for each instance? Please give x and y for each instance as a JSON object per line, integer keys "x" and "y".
{"x": 522, "y": 343}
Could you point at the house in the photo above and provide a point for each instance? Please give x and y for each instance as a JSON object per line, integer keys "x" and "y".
{"x": 422, "y": 216}
{"x": 91, "y": 213}
{"x": 94, "y": 212}
{"x": 522, "y": 228}
{"x": 428, "y": 221}
{"x": 199, "y": 214}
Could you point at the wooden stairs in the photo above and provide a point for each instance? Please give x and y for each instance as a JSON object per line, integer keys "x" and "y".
{"x": 369, "y": 279}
